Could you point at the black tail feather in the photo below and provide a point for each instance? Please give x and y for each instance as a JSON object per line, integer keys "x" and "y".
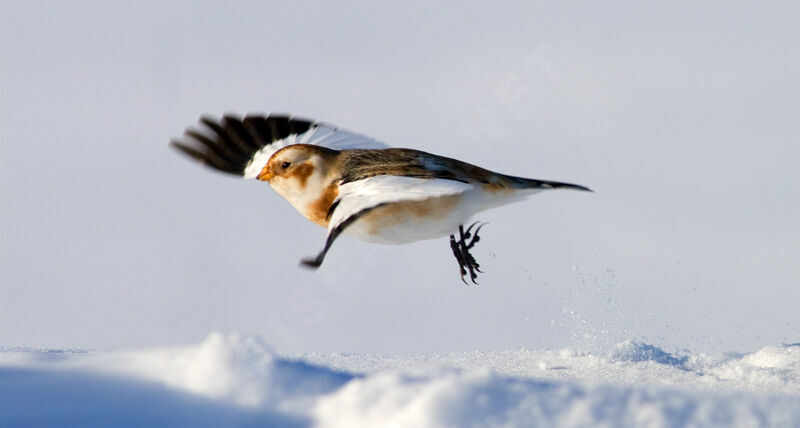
{"x": 530, "y": 183}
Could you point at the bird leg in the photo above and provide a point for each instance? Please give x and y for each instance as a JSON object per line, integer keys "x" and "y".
{"x": 459, "y": 257}
{"x": 466, "y": 262}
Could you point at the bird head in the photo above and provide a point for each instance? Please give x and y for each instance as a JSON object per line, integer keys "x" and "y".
{"x": 300, "y": 173}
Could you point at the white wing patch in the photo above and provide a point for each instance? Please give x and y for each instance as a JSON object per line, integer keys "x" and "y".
{"x": 318, "y": 134}
{"x": 338, "y": 139}
{"x": 357, "y": 196}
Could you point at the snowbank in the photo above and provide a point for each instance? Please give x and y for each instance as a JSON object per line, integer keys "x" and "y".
{"x": 232, "y": 380}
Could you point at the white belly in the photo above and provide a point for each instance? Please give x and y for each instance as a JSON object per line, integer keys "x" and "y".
{"x": 403, "y": 229}
{"x": 401, "y": 223}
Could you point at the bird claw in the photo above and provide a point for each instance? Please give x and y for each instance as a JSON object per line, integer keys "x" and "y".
{"x": 476, "y": 238}
{"x": 466, "y": 262}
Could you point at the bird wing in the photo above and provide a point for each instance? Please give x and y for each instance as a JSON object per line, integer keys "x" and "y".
{"x": 242, "y": 146}
{"x": 359, "y": 197}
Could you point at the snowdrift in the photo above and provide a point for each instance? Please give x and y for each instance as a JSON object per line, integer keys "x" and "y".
{"x": 233, "y": 380}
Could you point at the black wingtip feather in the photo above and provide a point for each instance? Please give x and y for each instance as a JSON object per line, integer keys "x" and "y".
{"x": 203, "y": 157}
{"x": 230, "y": 142}
{"x": 311, "y": 263}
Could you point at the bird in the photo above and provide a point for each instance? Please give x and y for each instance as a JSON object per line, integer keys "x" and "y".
{"x": 357, "y": 186}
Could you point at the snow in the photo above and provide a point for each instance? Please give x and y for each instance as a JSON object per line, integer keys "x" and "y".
{"x": 236, "y": 380}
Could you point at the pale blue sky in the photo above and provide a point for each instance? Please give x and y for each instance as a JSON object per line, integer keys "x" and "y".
{"x": 682, "y": 117}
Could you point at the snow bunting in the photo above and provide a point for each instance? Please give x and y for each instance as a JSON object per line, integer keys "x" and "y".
{"x": 352, "y": 184}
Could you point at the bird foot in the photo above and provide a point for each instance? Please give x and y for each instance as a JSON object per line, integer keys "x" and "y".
{"x": 461, "y": 247}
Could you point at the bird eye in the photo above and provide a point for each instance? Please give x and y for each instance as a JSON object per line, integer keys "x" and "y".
{"x": 285, "y": 165}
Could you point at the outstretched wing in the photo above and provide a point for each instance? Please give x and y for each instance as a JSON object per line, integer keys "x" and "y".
{"x": 357, "y": 198}
{"x": 242, "y": 146}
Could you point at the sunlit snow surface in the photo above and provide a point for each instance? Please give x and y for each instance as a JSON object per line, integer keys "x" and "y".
{"x": 233, "y": 380}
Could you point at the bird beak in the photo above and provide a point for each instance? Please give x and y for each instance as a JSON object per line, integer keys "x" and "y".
{"x": 265, "y": 174}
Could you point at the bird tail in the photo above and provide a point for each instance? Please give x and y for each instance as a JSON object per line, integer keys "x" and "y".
{"x": 530, "y": 183}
